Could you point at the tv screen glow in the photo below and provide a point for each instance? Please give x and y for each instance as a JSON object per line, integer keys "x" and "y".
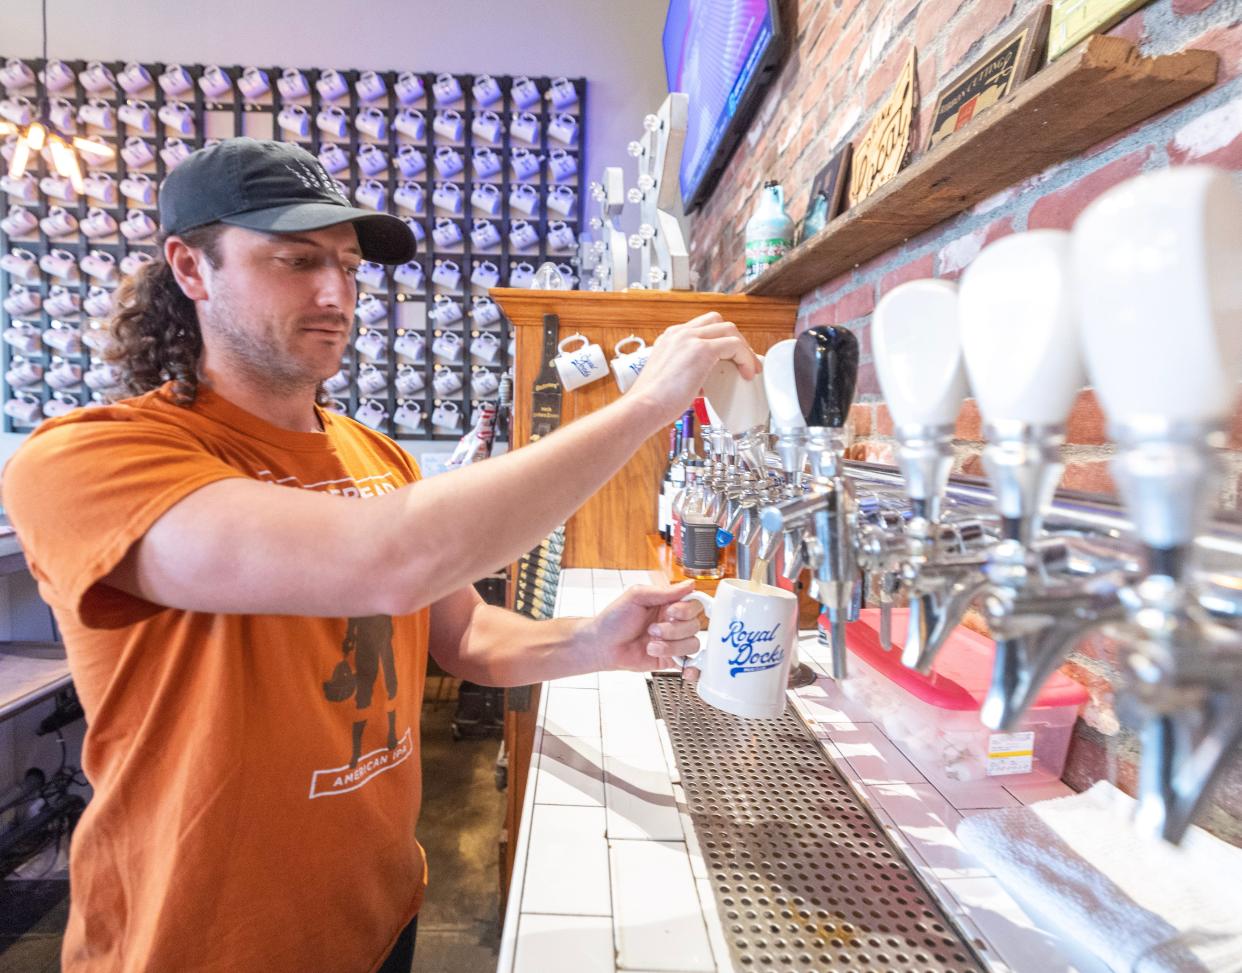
{"x": 718, "y": 52}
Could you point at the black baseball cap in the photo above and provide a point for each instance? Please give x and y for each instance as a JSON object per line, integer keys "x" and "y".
{"x": 273, "y": 187}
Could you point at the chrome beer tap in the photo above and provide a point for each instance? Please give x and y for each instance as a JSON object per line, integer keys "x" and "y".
{"x": 1160, "y": 301}
{"x": 825, "y": 372}
{"x": 1021, "y": 344}
{"x": 918, "y": 360}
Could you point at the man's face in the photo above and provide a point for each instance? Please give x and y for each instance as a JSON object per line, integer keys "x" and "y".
{"x": 280, "y": 307}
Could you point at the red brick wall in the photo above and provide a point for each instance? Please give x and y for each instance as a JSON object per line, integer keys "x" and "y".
{"x": 844, "y": 57}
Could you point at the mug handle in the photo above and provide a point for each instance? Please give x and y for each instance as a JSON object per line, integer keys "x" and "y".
{"x": 707, "y": 601}
{"x": 561, "y": 345}
{"x": 616, "y": 349}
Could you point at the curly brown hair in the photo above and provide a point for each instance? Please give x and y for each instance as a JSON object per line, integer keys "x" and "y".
{"x": 154, "y": 335}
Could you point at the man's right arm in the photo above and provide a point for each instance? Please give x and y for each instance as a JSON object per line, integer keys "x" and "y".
{"x": 238, "y": 546}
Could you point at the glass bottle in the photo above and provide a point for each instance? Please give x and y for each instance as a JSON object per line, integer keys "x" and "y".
{"x": 700, "y": 555}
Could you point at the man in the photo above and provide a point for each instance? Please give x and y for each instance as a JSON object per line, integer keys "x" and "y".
{"x": 204, "y": 546}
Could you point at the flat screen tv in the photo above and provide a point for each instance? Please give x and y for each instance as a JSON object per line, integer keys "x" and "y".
{"x": 722, "y": 54}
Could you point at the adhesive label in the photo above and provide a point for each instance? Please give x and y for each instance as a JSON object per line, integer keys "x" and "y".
{"x": 1010, "y": 753}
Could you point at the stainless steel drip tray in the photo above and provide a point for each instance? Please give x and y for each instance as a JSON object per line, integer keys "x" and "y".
{"x": 804, "y": 877}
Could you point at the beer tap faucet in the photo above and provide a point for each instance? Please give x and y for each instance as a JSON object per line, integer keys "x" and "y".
{"x": 1157, "y": 262}
{"x": 825, "y": 363}
{"x": 918, "y": 360}
{"x": 1021, "y": 344}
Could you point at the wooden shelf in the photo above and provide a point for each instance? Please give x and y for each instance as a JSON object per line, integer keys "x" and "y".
{"x": 1092, "y": 93}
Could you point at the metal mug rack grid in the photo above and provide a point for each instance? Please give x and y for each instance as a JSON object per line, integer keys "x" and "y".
{"x": 235, "y": 115}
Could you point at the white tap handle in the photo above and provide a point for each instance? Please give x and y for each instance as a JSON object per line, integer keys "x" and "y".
{"x": 1019, "y": 329}
{"x": 740, "y": 403}
{"x": 918, "y": 353}
{"x": 1158, "y": 282}
{"x": 781, "y": 386}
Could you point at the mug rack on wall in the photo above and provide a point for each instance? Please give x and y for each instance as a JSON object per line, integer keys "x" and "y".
{"x": 487, "y": 170}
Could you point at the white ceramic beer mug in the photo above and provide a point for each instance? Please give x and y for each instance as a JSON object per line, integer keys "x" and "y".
{"x": 627, "y": 365}
{"x": 582, "y": 365}
{"x": 744, "y": 664}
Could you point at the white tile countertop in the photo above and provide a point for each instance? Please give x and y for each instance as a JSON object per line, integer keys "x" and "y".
{"x": 607, "y": 871}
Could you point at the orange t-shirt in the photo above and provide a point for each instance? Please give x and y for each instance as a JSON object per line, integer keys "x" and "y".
{"x": 255, "y": 800}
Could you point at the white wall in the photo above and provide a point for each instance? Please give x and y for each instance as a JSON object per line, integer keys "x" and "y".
{"x": 614, "y": 45}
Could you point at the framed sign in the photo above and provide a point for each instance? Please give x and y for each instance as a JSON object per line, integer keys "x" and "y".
{"x": 990, "y": 78}
{"x": 829, "y": 183}
{"x": 1074, "y": 20}
{"x": 885, "y": 147}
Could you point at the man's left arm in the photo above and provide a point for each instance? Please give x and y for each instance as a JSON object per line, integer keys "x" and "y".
{"x": 641, "y": 630}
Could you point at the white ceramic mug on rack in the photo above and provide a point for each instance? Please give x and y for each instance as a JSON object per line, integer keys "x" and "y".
{"x": 410, "y": 380}
{"x": 446, "y": 232}
{"x": 409, "y": 275}
{"x": 446, "y": 382}
{"x": 24, "y": 338}
{"x": 96, "y": 77}
{"x": 137, "y": 152}
{"x": 486, "y": 125}
{"x": 409, "y": 415}
{"x": 409, "y": 195}
{"x": 174, "y": 152}
{"x": 59, "y": 263}
{"x": 447, "y": 415}
{"x": 295, "y": 120}
{"x": 485, "y": 312}
{"x": 409, "y": 87}
{"x": 99, "y": 265}
{"x": 562, "y": 199}
{"x": 485, "y": 347}
{"x": 561, "y": 236}
{"x": 562, "y": 93}
{"x": 371, "y": 379}
{"x": 19, "y": 222}
{"x": 15, "y": 74}
{"x": 525, "y": 199}
{"x": 137, "y": 115}
{"x": 447, "y": 196}
{"x": 22, "y": 264}
{"x": 484, "y": 382}
{"x": 486, "y": 198}
{"x": 57, "y": 76}
{"x": 525, "y": 127}
{"x": 563, "y": 128}
{"x": 627, "y": 365}
{"x": 448, "y": 124}
{"x": 177, "y": 116}
{"x": 58, "y": 188}
{"x": 447, "y": 346}
{"x": 332, "y": 85}
{"x": 486, "y": 90}
{"x": 135, "y": 78}
{"x": 445, "y": 312}
{"x": 411, "y": 161}
{"x": 446, "y": 89}
{"x": 370, "y": 86}
{"x": 176, "y": 81}
{"x": 333, "y": 121}
{"x": 581, "y": 365}
{"x": 333, "y": 158}
{"x": 97, "y": 113}
{"x": 410, "y": 345}
{"x": 370, "y": 273}
{"x": 744, "y": 663}
{"x": 371, "y": 345}
{"x": 371, "y": 413}
{"x": 562, "y": 165}
{"x": 371, "y": 159}
{"x": 484, "y": 235}
{"x": 447, "y": 273}
{"x": 522, "y": 274}
{"x": 412, "y": 123}
{"x": 292, "y": 84}
{"x": 449, "y": 161}
{"x": 254, "y": 83}
{"x": 215, "y": 82}
{"x": 485, "y": 162}
{"x": 372, "y": 122}
{"x": 524, "y": 93}
{"x": 24, "y": 188}
{"x": 485, "y": 274}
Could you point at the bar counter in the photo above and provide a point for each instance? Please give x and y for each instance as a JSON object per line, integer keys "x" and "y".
{"x": 608, "y": 874}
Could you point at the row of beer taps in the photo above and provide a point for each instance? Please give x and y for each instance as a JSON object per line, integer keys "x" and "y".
{"x": 1144, "y": 299}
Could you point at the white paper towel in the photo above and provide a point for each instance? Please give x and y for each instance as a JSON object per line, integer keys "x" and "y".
{"x": 1140, "y": 904}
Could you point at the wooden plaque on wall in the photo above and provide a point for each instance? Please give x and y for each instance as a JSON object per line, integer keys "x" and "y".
{"x": 885, "y": 147}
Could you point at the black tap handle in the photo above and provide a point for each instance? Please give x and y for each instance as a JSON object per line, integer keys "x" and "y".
{"x": 825, "y": 372}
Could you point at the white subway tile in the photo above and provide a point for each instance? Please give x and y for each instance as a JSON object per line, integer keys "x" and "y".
{"x": 658, "y": 921}
{"x": 640, "y": 802}
{"x": 869, "y": 752}
{"x": 928, "y": 823}
{"x": 630, "y": 578}
{"x": 577, "y": 578}
{"x": 567, "y": 863}
{"x": 570, "y": 771}
{"x": 572, "y": 712}
{"x": 564, "y": 944}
